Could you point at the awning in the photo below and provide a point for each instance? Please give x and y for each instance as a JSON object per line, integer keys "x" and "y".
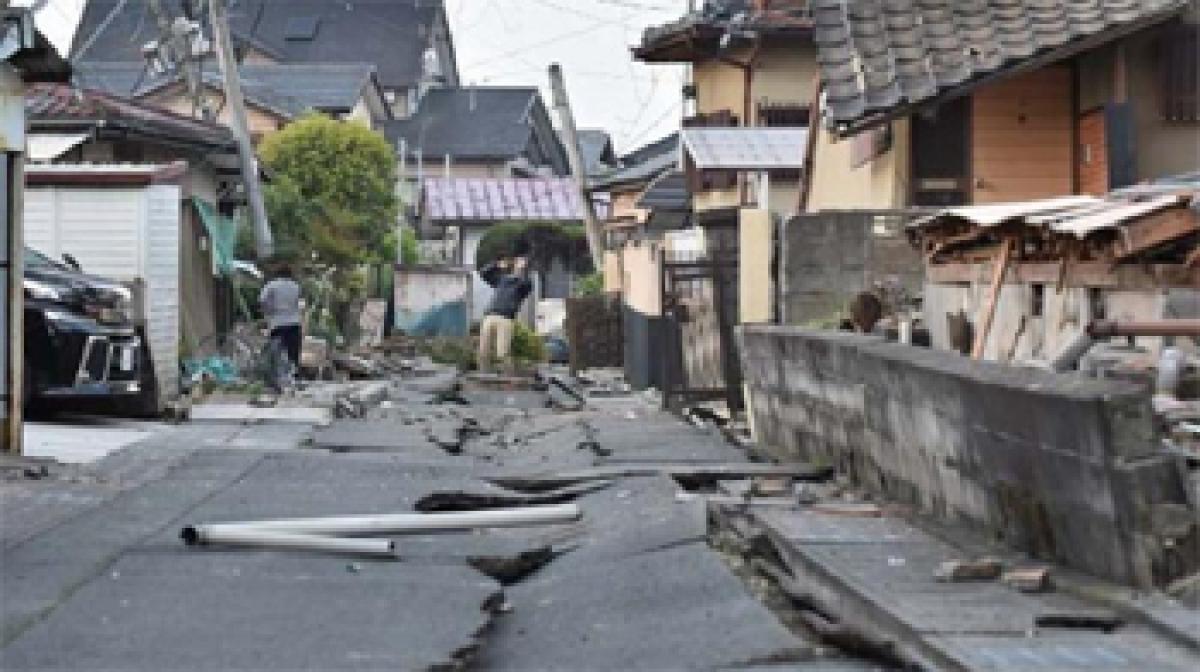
{"x": 746, "y": 148}
{"x": 223, "y": 233}
{"x": 44, "y": 147}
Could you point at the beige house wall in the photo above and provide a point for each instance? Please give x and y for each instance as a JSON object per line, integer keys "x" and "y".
{"x": 640, "y": 286}
{"x": 783, "y": 73}
{"x": 720, "y": 86}
{"x": 878, "y": 184}
{"x": 755, "y": 245}
{"x": 612, "y": 270}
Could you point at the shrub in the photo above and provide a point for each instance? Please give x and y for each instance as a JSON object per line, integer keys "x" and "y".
{"x": 527, "y": 346}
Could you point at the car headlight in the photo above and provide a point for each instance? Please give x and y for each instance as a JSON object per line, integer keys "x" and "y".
{"x": 42, "y": 291}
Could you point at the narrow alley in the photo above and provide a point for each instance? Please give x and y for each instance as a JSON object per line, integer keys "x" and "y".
{"x": 687, "y": 554}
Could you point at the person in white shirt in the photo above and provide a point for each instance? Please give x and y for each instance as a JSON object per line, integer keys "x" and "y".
{"x": 280, "y": 303}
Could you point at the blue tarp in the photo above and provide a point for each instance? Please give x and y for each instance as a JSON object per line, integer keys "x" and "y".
{"x": 445, "y": 320}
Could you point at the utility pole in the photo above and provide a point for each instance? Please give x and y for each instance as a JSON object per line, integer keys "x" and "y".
{"x": 263, "y": 243}
{"x": 595, "y": 236}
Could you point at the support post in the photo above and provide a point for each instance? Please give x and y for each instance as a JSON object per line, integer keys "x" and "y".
{"x": 562, "y": 104}
{"x": 989, "y": 309}
{"x": 263, "y": 243}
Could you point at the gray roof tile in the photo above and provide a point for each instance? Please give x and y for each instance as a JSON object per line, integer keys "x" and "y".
{"x": 290, "y": 89}
{"x": 390, "y": 34}
{"x": 878, "y": 55}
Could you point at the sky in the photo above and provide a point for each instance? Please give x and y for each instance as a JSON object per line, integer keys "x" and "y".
{"x": 512, "y": 42}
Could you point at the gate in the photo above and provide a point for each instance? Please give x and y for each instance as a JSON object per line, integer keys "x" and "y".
{"x": 594, "y": 332}
{"x": 700, "y": 310}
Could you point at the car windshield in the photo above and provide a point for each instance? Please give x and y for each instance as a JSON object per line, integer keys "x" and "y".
{"x": 34, "y": 259}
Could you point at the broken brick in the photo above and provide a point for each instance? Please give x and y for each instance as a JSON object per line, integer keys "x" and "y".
{"x": 984, "y": 569}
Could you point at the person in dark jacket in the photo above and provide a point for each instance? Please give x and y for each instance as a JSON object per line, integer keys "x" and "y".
{"x": 510, "y": 280}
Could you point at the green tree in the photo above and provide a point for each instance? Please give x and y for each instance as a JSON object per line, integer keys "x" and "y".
{"x": 332, "y": 195}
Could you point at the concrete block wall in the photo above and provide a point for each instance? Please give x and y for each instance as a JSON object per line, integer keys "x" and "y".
{"x": 1062, "y": 467}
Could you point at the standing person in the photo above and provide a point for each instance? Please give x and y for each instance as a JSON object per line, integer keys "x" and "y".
{"x": 280, "y": 303}
{"x": 510, "y": 279}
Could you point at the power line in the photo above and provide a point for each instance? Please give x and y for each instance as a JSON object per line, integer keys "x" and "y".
{"x": 654, "y": 124}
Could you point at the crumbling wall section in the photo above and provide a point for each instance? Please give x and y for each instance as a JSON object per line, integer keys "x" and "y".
{"x": 1062, "y": 467}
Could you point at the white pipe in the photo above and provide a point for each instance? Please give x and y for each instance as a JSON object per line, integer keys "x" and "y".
{"x": 246, "y": 536}
{"x": 402, "y": 523}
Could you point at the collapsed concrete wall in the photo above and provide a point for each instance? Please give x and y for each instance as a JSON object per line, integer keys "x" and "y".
{"x": 1065, "y": 468}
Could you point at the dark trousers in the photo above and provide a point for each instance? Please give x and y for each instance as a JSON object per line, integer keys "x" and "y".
{"x": 290, "y": 337}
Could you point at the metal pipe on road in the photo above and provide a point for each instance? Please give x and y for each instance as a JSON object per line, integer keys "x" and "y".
{"x": 271, "y": 539}
{"x": 404, "y": 523}
{"x": 1110, "y": 328}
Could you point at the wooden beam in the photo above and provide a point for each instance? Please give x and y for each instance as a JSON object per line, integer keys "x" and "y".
{"x": 1157, "y": 229}
{"x": 1079, "y": 274}
{"x": 989, "y": 309}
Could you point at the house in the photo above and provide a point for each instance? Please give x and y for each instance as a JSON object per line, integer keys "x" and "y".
{"x": 479, "y": 132}
{"x": 474, "y": 157}
{"x": 979, "y": 105}
{"x": 753, "y": 65}
{"x": 135, "y": 192}
{"x": 596, "y": 147}
{"x": 275, "y": 93}
{"x": 649, "y": 200}
{"x": 407, "y": 41}
{"x": 28, "y": 58}
{"x": 462, "y": 209}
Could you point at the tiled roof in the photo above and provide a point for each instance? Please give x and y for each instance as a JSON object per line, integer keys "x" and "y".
{"x": 58, "y": 103}
{"x": 498, "y": 199}
{"x": 481, "y": 123}
{"x": 719, "y": 17}
{"x": 391, "y": 34}
{"x": 879, "y": 56}
{"x": 643, "y": 164}
{"x": 289, "y": 89}
{"x": 596, "y": 147}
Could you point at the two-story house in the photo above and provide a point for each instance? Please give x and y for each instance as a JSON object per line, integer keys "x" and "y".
{"x": 407, "y": 44}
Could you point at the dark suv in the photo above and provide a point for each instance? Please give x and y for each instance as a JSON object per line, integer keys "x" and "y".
{"x": 80, "y": 339}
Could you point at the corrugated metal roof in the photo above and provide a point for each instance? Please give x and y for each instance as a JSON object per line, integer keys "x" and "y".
{"x": 746, "y": 148}
{"x": 498, "y": 199}
{"x": 1079, "y": 216}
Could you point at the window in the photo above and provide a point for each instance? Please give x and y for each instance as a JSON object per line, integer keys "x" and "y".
{"x": 1180, "y": 73}
{"x": 782, "y": 114}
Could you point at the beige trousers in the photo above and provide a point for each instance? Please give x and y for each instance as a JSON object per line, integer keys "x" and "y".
{"x": 495, "y": 340}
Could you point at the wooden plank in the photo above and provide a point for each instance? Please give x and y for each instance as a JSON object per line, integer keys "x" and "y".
{"x": 1079, "y": 274}
{"x": 1155, "y": 230}
{"x": 989, "y": 308}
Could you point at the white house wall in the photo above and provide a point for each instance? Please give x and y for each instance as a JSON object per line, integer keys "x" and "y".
{"x": 125, "y": 235}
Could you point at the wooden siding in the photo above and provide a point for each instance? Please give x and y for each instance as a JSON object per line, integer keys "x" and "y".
{"x": 1022, "y": 137}
{"x": 1093, "y": 153}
